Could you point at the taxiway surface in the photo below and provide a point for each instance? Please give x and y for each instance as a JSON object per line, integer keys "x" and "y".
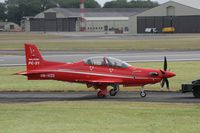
{"x": 135, "y": 56}
{"x": 165, "y": 97}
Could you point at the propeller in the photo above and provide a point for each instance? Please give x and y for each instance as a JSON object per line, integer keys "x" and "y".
{"x": 165, "y": 81}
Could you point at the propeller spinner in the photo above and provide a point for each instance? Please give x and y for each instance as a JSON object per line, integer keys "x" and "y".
{"x": 166, "y": 74}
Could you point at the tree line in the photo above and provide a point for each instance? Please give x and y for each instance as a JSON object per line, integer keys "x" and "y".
{"x": 14, "y": 10}
{"x": 131, "y": 4}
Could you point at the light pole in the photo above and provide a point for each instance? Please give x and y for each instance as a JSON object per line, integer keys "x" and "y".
{"x": 82, "y": 15}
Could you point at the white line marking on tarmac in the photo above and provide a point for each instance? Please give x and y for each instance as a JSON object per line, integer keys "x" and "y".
{"x": 5, "y": 65}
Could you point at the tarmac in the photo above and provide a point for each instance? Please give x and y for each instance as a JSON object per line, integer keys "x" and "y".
{"x": 136, "y": 56}
{"x": 159, "y": 97}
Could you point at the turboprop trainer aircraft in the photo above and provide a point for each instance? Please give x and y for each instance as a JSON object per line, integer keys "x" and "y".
{"x": 97, "y": 72}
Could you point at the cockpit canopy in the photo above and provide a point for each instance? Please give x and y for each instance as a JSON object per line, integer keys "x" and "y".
{"x": 106, "y": 61}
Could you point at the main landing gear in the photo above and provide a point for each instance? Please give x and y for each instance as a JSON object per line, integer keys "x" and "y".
{"x": 114, "y": 91}
{"x": 103, "y": 91}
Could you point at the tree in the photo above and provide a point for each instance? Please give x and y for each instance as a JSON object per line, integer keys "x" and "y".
{"x": 117, "y": 4}
{"x": 19, "y": 8}
{"x": 92, "y": 4}
{"x": 2, "y": 12}
{"x": 76, "y": 3}
{"x": 131, "y": 4}
{"x": 143, "y": 4}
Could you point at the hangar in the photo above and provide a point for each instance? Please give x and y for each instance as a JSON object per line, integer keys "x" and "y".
{"x": 9, "y": 26}
{"x": 96, "y": 19}
{"x": 183, "y": 15}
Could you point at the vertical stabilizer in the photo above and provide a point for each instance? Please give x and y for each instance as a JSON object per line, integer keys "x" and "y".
{"x": 34, "y": 59}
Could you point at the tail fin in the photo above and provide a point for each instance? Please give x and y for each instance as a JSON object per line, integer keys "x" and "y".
{"x": 34, "y": 59}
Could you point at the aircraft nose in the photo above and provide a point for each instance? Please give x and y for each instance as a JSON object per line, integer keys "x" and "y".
{"x": 169, "y": 74}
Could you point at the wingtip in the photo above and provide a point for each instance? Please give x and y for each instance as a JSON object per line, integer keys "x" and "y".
{"x": 21, "y": 73}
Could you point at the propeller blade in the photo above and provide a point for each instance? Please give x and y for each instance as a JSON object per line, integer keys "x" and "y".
{"x": 165, "y": 80}
{"x": 165, "y": 63}
{"x": 167, "y": 83}
{"x": 162, "y": 83}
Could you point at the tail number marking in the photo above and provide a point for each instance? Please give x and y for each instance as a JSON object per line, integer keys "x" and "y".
{"x": 51, "y": 76}
{"x": 34, "y": 62}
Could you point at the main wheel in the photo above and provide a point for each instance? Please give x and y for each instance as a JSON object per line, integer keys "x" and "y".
{"x": 196, "y": 92}
{"x": 101, "y": 95}
{"x": 112, "y": 92}
{"x": 143, "y": 94}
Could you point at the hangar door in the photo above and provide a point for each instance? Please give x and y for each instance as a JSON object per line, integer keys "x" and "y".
{"x": 154, "y": 22}
{"x": 51, "y": 23}
{"x": 182, "y": 24}
{"x": 36, "y": 24}
{"x": 66, "y": 24}
{"x": 187, "y": 24}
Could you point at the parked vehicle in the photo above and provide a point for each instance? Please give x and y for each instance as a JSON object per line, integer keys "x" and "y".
{"x": 194, "y": 88}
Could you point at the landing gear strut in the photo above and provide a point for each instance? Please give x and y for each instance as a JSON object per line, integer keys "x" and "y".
{"x": 114, "y": 91}
{"x": 143, "y": 93}
{"x": 103, "y": 92}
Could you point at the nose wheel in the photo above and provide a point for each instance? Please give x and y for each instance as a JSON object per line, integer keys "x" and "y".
{"x": 143, "y": 94}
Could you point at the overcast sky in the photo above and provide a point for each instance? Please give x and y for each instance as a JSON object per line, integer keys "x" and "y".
{"x": 103, "y": 1}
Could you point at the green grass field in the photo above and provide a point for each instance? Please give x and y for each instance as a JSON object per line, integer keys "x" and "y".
{"x": 186, "y": 72}
{"x": 15, "y": 41}
{"x": 99, "y": 117}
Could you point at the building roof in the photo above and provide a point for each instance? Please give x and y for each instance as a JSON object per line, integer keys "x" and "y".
{"x": 5, "y": 23}
{"x": 95, "y": 12}
{"x": 107, "y": 18}
{"x": 190, "y": 3}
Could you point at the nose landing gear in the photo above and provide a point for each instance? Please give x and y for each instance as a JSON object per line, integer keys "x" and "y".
{"x": 143, "y": 93}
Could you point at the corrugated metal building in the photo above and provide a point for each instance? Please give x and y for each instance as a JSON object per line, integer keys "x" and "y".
{"x": 183, "y": 15}
{"x": 96, "y": 19}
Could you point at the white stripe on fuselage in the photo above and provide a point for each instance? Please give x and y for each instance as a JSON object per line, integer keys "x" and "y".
{"x": 94, "y": 74}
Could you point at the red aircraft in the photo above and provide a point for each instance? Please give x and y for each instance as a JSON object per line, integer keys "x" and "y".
{"x": 97, "y": 72}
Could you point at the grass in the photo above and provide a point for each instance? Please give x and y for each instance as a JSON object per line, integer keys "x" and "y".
{"x": 186, "y": 72}
{"x": 99, "y": 117}
{"x": 10, "y": 82}
{"x": 11, "y": 41}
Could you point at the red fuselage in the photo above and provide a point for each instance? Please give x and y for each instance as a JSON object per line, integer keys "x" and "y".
{"x": 84, "y": 73}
